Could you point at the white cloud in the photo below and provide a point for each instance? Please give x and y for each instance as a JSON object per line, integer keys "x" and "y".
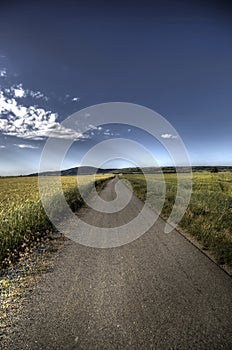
{"x": 25, "y": 146}
{"x": 19, "y": 92}
{"x": 2, "y": 146}
{"x": 168, "y": 136}
{"x": 36, "y": 94}
{"x": 75, "y": 99}
{"x": 31, "y": 122}
{"x": 3, "y": 72}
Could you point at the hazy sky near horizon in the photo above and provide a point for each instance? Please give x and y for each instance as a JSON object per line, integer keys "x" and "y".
{"x": 174, "y": 57}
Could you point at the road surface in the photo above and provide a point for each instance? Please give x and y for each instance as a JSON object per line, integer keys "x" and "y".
{"x": 158, "y": 292}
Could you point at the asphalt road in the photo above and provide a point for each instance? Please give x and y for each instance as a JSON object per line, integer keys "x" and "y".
{"x": 158, "y": 292}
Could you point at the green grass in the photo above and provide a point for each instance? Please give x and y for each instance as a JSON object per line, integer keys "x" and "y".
{"x": 209, "y": 214}
{"x": 23, "y": 220}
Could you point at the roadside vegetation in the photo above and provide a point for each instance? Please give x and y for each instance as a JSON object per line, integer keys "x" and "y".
{"x": 23, "y": 221}
{"x": 208, "y": 218}
{"x": 209, "y": 215}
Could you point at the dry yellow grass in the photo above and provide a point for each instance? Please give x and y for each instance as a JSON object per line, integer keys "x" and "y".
{"x": 22, "y": 217}
{"x": 209, "y": 214}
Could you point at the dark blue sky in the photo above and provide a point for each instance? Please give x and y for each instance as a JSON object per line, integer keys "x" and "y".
{"x": 174, "y": 57}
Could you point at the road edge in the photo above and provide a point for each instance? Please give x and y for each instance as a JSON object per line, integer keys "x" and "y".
{"x": 184, "y": 233}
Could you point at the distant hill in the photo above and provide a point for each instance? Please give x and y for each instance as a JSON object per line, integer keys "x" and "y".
{"x": 88, "y": 170}
{"x": 82, "y": 170}
{"x": 170, "y": 169}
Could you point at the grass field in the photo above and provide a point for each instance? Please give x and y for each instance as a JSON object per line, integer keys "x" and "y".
{"x": 209, "y": 215}
{"x": 22, "y": 217}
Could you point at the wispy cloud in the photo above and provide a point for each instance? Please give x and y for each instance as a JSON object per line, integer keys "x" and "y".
{"x": 17, "y": 91}
{"x": 36, "y": 94}
{"x": 2, "y": 146}
{"x": 31, "y": 122}
{"x": 168, "y": 136}
{"x": 25, "y": 146}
